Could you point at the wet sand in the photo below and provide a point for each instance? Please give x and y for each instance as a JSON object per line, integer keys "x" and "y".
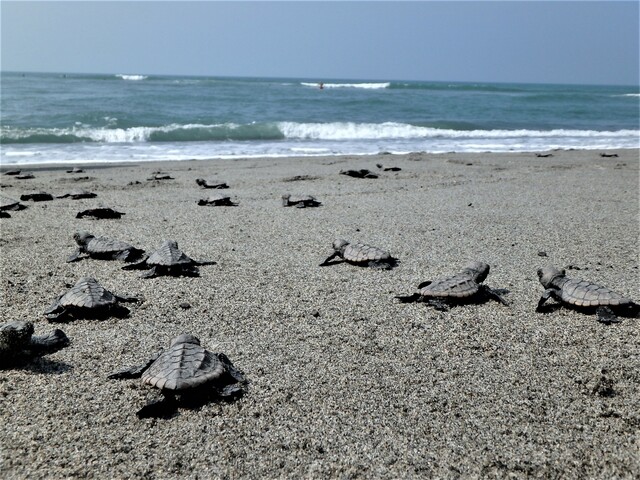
{"x": 344, "y": 381}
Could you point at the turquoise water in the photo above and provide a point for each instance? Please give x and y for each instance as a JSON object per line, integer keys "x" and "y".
{"x": 91, "y": 118}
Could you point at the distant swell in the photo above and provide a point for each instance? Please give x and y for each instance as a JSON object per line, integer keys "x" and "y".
{"x": 336, "y": 131}
{"x": 368, "y": 86}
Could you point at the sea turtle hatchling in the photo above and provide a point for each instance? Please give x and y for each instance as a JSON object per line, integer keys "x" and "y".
{"x": 104, "y": 248}
{"x": 100, "y": 212}
{"x": 299, "y": 201}
{"x": 9, "y": 204}
{"x": 463, "y": 287}
{"x": 87, "y": 299}
{"x": 186, "y": 374}
{"x": 217, "y": 200}
{"x": 584, "y": 295}
{"x": 18, "y": 344}
{"x": 37, "y": 196}
{"x": 168, "y": 260}
{"x": 78, "y": 195}
{"x": 210, "y": 184}
{"x": 361, "y": 255}
{"x": 362, "y": 173}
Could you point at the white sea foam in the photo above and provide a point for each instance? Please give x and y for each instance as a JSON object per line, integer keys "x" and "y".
{"x": 132, "y": 77}
{"x": 369, "y": 86}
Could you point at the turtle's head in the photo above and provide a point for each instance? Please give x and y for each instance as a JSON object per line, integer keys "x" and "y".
{"x": 339, "y": 245}
{"x": 185, "y": 338}
{"x": 82, "y": 238}
{"x": 479, "y": 271}
{"x": 170, "y": 244}
{"x": 548, "y": 274}
{"x": 285, "y": 199}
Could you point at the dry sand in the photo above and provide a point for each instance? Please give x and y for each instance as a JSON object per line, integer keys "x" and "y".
{"x": 344, "y": 382}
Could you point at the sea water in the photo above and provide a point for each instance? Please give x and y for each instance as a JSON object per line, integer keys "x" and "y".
{"x": 75, "y": 118}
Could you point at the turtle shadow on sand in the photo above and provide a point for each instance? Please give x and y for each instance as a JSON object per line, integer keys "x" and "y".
{"x": 44, "y": 366}
{"x": 188, "y": 376}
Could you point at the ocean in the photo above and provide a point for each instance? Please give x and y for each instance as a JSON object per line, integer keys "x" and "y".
{"x": 76, "y": 118}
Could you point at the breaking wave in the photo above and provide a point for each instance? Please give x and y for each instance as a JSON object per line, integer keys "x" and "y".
{"x": 132, "y": 77}
{"x": 270, "y": 131}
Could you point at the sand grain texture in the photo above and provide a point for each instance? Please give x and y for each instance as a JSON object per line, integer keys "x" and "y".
{"x": 344, "y": 382}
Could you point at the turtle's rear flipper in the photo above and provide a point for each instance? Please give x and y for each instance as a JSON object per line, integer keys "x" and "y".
{"x": 152, "y": 273}
{"x": 606, "y": 316}
{"x": 142, "y": 264}
{"x": 409, "y": 298}
{"x": 126, "y": 299}
{"x": 158, "y": 408}
{"x": 131, "y": 255}
{"x": 46, "y": 344}
{"x": 204, "y": 262}
{"x": 74, "y": 257}
{"x": 133, "y": 372}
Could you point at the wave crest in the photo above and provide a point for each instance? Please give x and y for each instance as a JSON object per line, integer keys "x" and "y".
{"x": 132, "y": 77}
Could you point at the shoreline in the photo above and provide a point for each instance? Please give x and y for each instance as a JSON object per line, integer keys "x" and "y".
{"x": 115, "y": 164}
{"x": 344, "y": 381}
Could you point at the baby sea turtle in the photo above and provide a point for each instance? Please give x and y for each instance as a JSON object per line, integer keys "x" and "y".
{"x": 361, "y": 255}
{"x": 217, "y": 200}
{"x": 300, "y": 201}
{"x": 100, "y": 212}
{"x": 37, "y": 196}
{"x": 160, "y": 176}
{"x": 75, "y": 170}
{"x": 87, "y": 299}
{"x": 18, "y": 344}
{"x": 186, "y": 374}
{"x": 8, "y": 204}
{"x": 362, "y": 173}
{"x": 78, "y": 194}
{"x": 168, "y": 260}
{"x": 463, "y": 287}
{"x": 388, "y": 169}
{"x": 104, "y": 248}
{"x": 210, "y": 184}
{"x": 584, "y": 295}
{"x": 25, "y": 176}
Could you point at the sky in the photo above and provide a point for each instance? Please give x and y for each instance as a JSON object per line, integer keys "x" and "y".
{"x": 517, "y": 41}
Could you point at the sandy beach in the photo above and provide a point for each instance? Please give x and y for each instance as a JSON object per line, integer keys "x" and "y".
{"x": 344, "y": 382}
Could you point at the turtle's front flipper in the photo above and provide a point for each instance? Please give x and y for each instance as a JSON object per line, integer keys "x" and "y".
{"x": 74, "y": 257}
{"x": 496, "y": 294}
{"x": 606, "y": 316}
{"x": 408, "y": 299}
{"x": 133, "y": 372}
{"x": 548, "y": 293}
{"x": 55, "y": 312}
{"x": 329, "y": 258}
{"x": 236, "y": 374}
{"x": 46, "y": 344}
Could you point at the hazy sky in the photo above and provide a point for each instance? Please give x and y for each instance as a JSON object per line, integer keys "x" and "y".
{"x": 550, "y": 42}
